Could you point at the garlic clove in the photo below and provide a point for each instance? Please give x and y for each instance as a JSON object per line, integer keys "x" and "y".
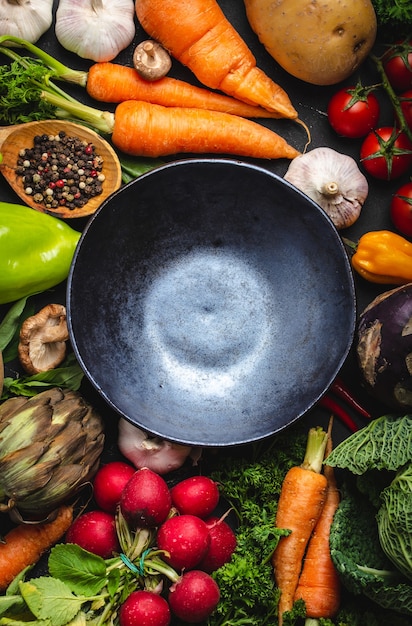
{"x": 95, "y": 29}
{"x": 27, "y": 20}
{"x": 157, "y": 454}
{"x": 333, "y": 180}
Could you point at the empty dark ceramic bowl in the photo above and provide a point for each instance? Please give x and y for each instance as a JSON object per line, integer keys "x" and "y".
{"x": 210, "y": 302}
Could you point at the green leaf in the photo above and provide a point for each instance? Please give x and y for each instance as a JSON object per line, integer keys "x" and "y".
{"x": 10, "y": 327}
{"x": 22, "y": 621}
{"x": 394, "y": 520}
{"x": 83, "y": 572}
{"x": 384, "y": 444}
{"x": 50, "y": 599}
{"x": 113, "y": 581}
{"x": 68, "y": 376}
{"x": 8, "y": 602}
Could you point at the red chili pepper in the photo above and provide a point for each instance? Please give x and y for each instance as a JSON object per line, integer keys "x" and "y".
{"x": 329, "y": 404}
{"x": 340, "y": 389}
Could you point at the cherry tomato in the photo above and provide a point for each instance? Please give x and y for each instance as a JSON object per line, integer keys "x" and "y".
{"x": 401, "y": 209}
{"x": 353, "y": 111}
{"x": 405, "y": 100}
{"x": 386, "y": 153}
{"x": 397, "y": 62}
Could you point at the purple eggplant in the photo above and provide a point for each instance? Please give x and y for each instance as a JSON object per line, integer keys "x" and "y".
{"x": 384, "y": 347}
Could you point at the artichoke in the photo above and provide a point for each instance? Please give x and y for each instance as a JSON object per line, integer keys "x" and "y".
{"x": 50, "y": 446}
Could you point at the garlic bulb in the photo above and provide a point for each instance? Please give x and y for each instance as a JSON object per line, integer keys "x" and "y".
{"x": 95, "y": 29}
{"x": 27, "y": 19}
{"x": 333, "y": 180}
{"x": 157, "y": 454}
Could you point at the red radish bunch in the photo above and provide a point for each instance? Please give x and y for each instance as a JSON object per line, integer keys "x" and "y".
{"x": 192, "y": 541}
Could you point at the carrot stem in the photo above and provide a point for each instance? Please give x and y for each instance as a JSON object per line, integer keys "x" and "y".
{"x": 315, "y": 449}
{"x": 60, "y": 70}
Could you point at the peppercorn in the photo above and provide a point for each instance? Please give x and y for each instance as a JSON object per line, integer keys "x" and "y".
{"x": 55, "y": 167}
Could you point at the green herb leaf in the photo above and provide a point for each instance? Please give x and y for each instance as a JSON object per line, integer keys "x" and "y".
{"x": 10, "y": 327}
{"x": 84, "y": 573}
{"x": 50, "y": 599}
{"x": 68, "y": 376}
{"x": 20, "y": 93}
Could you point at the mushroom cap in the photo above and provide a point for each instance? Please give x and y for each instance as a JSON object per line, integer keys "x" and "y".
{"x": 43, "y": 337}
{"x": 151, "y": 60}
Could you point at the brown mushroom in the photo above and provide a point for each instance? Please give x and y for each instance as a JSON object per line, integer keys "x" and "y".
{"x": 43, "y": 337}
{"x": 151, "y": 60}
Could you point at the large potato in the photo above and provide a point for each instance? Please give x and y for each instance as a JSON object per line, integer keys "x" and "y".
{"x": 319, "y": 41}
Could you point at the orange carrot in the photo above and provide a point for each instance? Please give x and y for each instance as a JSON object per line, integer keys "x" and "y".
{"x": 319, "y": 584}
{"x": 151, "y": 130}
{"x": 300, "y": 504}
{"x": 110, "y": 82}
{"x": 197, "y": 33}
{"x": 24, "y": 544}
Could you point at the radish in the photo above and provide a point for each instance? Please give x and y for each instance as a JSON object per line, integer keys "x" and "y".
{"x": 95, "y": 532}
{"x": 144, "y": 608}
{"x": 194, "y": 597}
{"x": 145, "y": 500}
{"x": 185, "y": 539}
{"x": 197, "y": 495}
{"x": 109, "y": 482}
{"x": 221, "y": 546}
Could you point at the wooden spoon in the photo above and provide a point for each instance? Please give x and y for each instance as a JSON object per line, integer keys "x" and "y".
{"x": 20, "y": 136}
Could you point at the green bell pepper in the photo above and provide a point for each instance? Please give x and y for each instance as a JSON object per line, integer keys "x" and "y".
{"x": 36, "y": 251}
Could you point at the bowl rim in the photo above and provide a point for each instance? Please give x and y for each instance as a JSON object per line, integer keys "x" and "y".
{"x": 350, "y": 286}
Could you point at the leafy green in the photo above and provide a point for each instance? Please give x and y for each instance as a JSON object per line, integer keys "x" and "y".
{"x": 10, "y": 327}
{"x": 133, "y": 167}
{"x": 68, "y": 376}
{"x": 359, "y": 559}
{"x": 252, "y": 487}
{"x": 20, "y": 93}
{"x": 394, "y": 518}
{"x": 393, "y": 12}
{"x": 46, "y": 596}
{"x": 384, "y": 444}
{"x": 81, "y": 571}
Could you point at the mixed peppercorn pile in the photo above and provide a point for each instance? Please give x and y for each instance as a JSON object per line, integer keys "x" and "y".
{"x": 60, "y": 170}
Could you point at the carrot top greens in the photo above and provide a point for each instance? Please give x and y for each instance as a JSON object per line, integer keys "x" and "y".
{"x": 27, "y": 93}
